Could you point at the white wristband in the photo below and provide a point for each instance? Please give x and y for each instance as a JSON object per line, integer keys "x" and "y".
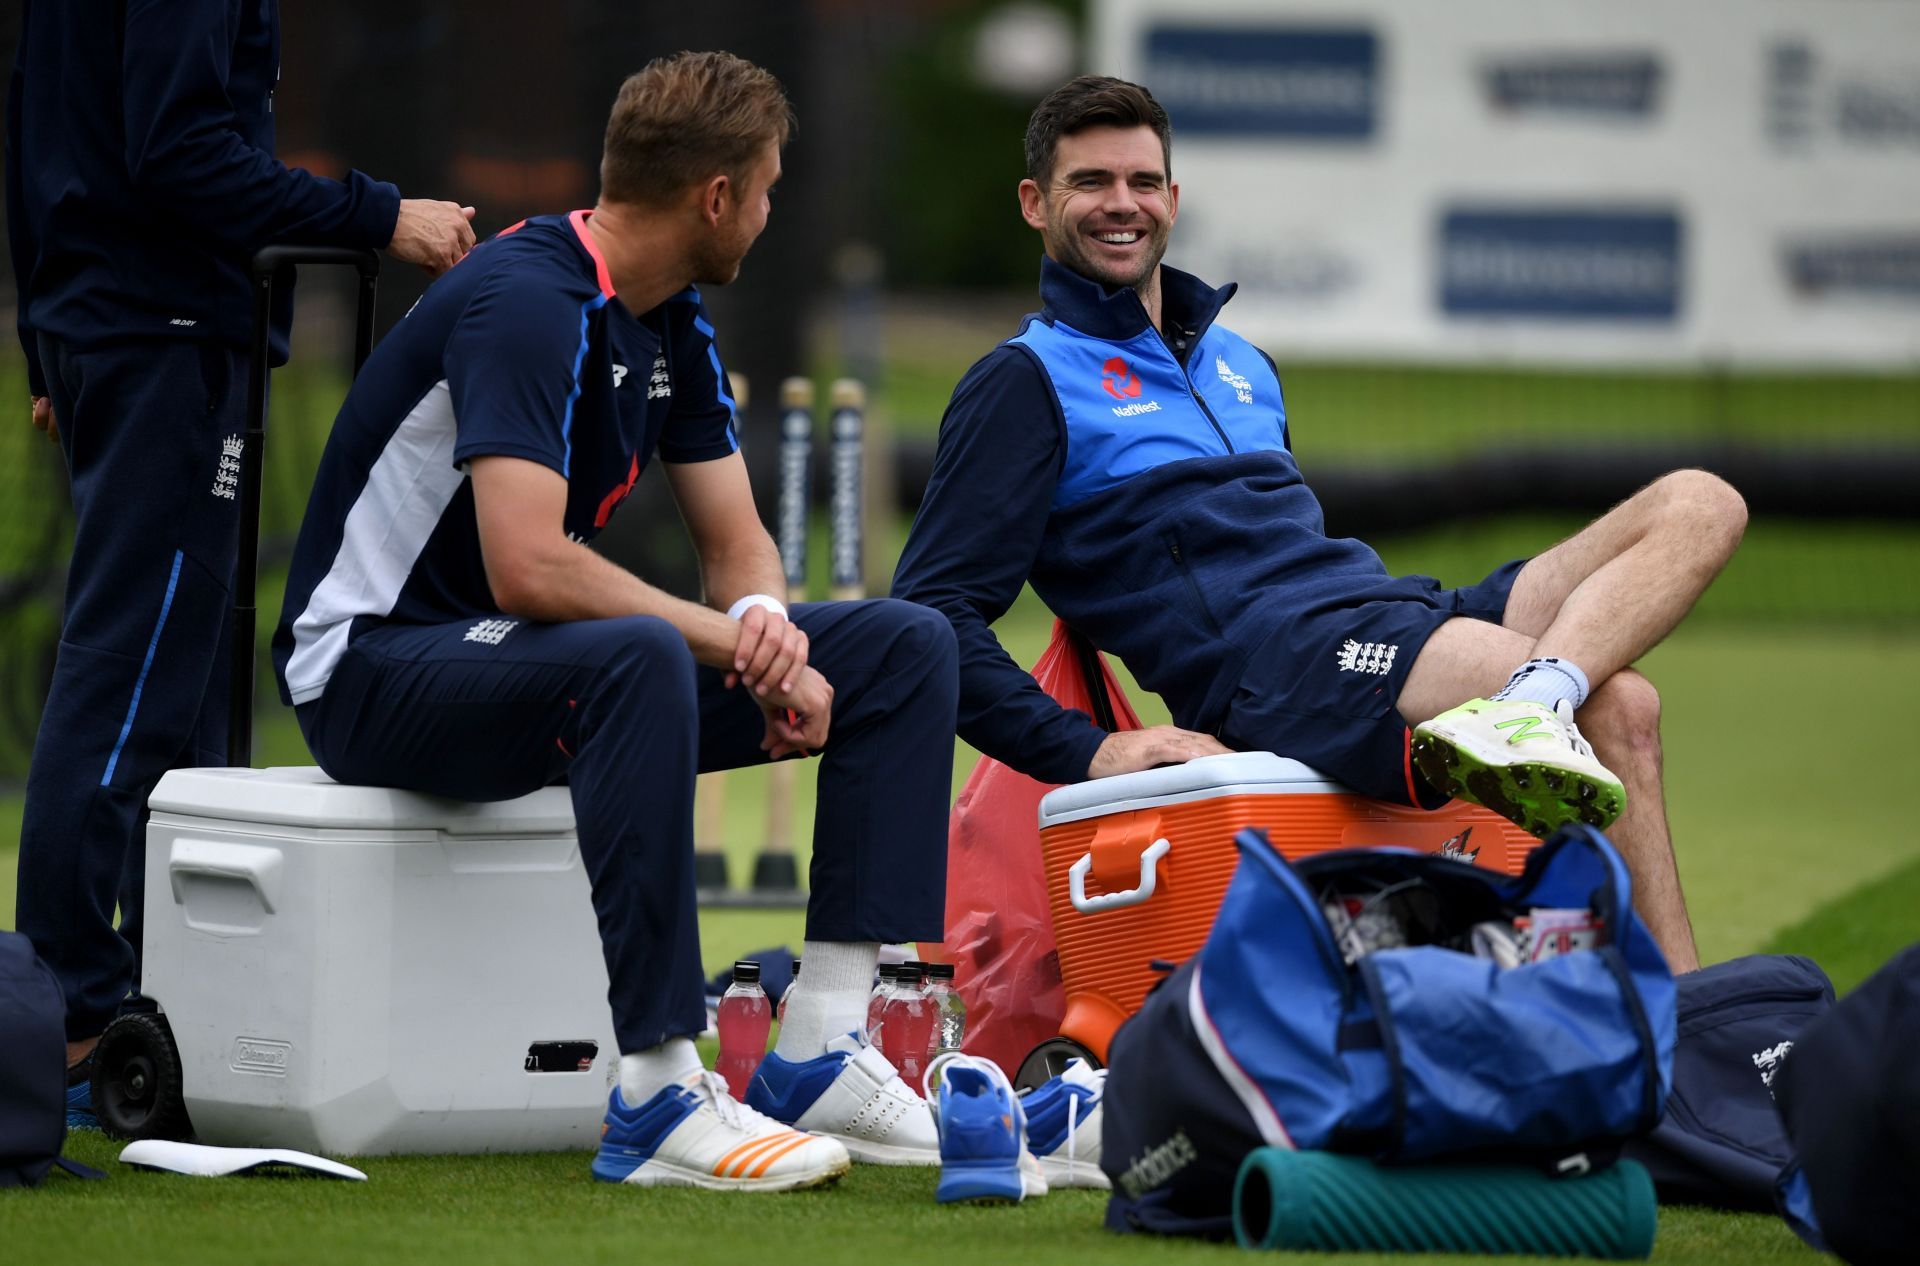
{"x": 753, "y": 600}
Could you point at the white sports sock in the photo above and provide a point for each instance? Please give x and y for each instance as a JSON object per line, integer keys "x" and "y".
{"x": 830, "y": 997}
{"x": 1546, "y": 681}
{"x": 645, "y": 1074}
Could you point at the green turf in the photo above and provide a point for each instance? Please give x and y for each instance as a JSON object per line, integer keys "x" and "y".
{"x": 1854, "y": 935}
{"x": 469, "y": 1210}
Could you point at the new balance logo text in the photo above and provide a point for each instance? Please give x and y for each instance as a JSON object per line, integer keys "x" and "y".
{"x": 183, "y": 322}
{"x": 1242, "y": 389}
{"x": 226, "y": 476}
{"x": 1159, "y": 1164}
{"x": 659, "y": 384}
{"x": 1366, "y": 657}
{"x": 490, "y": 632}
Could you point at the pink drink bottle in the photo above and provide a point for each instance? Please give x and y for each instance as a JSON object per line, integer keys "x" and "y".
{"x": 745, "y": 1017}
{"x": 907, "y": 1024}
{"x": 878, "y": 998}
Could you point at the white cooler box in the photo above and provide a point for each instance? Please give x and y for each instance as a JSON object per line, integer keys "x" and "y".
{"x": 363, "y": 970}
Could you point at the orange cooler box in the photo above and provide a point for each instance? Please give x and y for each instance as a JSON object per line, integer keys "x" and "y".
{"x": 1138, "y": 864}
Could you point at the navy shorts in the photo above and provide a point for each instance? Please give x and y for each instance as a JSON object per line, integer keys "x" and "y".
{"x": 1324, "y": 688}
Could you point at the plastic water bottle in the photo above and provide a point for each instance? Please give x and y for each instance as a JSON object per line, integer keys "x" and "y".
{"x": 745, "y": 1017}
{"x": 906, "y": 1024}
{"x": 787, "y": 993}
{"x": 877, "y": 999}
{"x": 949, "y": 1010}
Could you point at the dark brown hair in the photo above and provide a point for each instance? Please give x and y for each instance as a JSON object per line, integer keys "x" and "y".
{"x": 1091, "y": 101}
{"x": 685, "y": 118}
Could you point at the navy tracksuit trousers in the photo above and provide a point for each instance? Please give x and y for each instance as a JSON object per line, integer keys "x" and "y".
{"x": 139, "y": 685}
{"x": 619, "y": 711}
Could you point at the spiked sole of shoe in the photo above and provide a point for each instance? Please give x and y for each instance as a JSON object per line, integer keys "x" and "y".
{"x": 1536, "y": 796}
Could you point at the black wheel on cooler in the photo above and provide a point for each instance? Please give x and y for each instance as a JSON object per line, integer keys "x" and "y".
{"x": 1048, "y": 1060}
{"x": 136, "y": 1080}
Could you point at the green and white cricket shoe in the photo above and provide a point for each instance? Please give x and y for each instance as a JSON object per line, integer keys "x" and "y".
{"x": 1524, "y": 761}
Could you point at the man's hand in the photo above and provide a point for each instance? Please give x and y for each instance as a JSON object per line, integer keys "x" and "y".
{"x": 1130, "y": 751}
{"x": 770, "y": 655}
{"x": 434, "y": 235}
{"x": 805, "y": 731}
{"x": 43, "y": 418}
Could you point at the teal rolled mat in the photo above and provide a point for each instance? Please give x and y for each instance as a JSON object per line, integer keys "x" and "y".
{"x": 1321, "y": 1202}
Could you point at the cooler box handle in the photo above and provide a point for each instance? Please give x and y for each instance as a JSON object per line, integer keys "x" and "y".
{"x": 1149, "y": 878}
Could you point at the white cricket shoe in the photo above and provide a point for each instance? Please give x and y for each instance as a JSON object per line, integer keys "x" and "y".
{"x": 1524, "y": 761}
{"x": 694, "y": 1134}
{"x": 853, "y": 1094}
{"x": 1063, "y": 1126}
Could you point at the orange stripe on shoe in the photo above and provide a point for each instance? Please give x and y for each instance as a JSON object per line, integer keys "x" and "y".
{"x": 745, "y": 1154}
{"x": 777, "y": 1146}
{"x": 736, "y": 1153}
{"x": 766, "y": 1161}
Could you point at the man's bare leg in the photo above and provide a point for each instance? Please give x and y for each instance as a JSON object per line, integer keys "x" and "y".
{"x": 1602, "y": 598}
{"x": 1467, "y": 659}
{"x": 1607, "y": 595}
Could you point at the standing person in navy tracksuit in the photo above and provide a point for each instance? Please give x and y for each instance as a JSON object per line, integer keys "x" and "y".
{"x": 1136, "y": 457}
{"x": 446, "y": 629}
{"x": 140, "y": 180}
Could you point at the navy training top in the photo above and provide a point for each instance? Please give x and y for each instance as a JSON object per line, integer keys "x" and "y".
{"x": 520, "y": 350}
{"x": 1145, "y": 485}
{"x": 141, "y": 175}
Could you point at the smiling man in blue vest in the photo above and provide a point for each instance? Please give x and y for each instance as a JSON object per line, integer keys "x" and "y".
{"x": 1131, "y": 457}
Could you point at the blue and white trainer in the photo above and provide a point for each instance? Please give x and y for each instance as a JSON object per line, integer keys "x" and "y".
{"x": 694, "y": 1134}
{"x": 1063, "y": 1126}
{"x": 80, "y": 1113}
{"x": 852, "y": 1094}
{"x": 983, "y": 1134}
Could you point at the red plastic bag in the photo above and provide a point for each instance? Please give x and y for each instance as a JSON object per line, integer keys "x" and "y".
{"x": 999, "y": 929}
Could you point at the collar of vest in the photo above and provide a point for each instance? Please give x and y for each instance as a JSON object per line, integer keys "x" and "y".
{"x": 1118, "y": 315}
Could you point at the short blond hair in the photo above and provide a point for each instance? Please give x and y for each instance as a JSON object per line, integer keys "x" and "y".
{"x": 688, "y": 117}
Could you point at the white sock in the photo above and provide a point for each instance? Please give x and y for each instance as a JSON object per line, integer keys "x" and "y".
{"x": 1546, "y": 681}
{"x": 645, "y": 1074}
{"x": 830, "y": 997}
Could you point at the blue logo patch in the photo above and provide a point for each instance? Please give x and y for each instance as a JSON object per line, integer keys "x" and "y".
{"x": 1611, "y": 265}
{"x": 1886, "y": 265}
{"x": 1319, "y": 84}
{"x": 1616, "y": 86}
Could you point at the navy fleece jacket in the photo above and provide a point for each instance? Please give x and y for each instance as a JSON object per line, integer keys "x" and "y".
{"x": 1143, "y": 482}
{"x": 141, "y": 175}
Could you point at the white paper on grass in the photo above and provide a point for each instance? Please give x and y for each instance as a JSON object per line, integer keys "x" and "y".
{"x": 201, "y": 1161}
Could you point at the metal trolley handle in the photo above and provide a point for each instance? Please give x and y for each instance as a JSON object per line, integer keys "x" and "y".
{"x": 1149, "y": 878}
{"x": 270, "y": 265}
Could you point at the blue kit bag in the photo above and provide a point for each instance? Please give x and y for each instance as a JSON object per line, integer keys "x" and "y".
{"x": 1271, "y": 1036}
{"x": 33, "y": 1068}
{"x": 1722, "y": 1142}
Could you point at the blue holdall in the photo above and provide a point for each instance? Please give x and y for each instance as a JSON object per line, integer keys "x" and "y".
{"x": 33, "y": 1068}
{"x": 1722, "y": 1142}
{"x": 1279, "y": 1033}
